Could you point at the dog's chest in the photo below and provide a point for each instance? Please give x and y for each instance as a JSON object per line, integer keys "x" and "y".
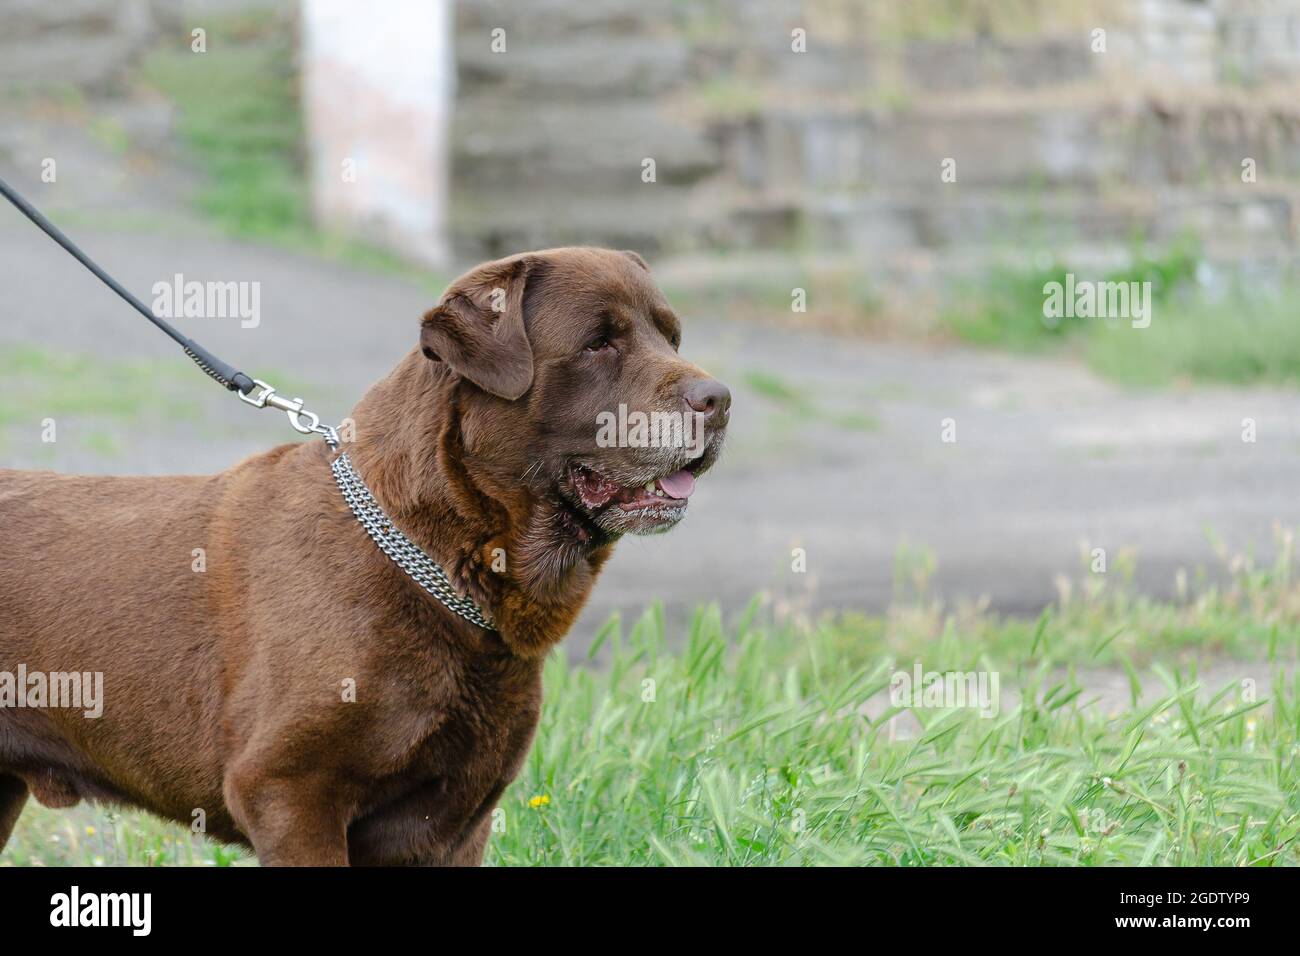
{"x": 464, "y": 741}
{"x": 463, "y": 716}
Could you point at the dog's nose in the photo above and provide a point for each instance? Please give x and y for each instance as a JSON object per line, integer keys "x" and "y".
{"x": 709, "y": 397}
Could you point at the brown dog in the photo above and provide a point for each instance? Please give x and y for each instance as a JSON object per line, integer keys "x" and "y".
{"x": 297, "y": 687}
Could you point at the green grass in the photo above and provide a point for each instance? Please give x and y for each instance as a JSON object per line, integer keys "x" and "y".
{"x": 238, "y": 113}
{"x": 1243, "y": 336}
{"x": 100, "y": 398}
{"x": 1241, "y": 610}
{"x": 240, "y": 122}
{"x": 55, "y": 383}
{"x": 752, "y": 743}
{"x": 955, "y": 19}
{"x": 797, "y": 402}
{"x": 67, "y": 386}
{"x": 755, "y": 751}
{"x": 1006, "y": 307}
{"x": 98, "y": 836}
{"x": 1245, "y": 339}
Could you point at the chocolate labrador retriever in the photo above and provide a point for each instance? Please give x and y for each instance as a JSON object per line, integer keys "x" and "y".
{"x": 267, "y": 669}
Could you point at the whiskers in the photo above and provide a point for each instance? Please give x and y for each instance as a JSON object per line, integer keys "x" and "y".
{"x": 531, "y": 471}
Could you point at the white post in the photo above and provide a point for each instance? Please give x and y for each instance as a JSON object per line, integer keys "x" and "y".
{"x": 378, "y": 82}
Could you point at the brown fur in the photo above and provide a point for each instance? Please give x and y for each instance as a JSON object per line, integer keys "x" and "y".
{"x": 223, "y": 690}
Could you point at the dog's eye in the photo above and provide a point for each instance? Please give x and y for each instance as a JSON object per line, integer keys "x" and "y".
{"x": 599, "y": 344}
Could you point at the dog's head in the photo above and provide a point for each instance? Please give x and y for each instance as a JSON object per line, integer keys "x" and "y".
{"x": 581, "y": 395}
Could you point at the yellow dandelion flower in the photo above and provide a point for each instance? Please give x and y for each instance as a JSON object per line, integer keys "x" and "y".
{"x": 90, "y": 831}
{"x": 540, "y": 800}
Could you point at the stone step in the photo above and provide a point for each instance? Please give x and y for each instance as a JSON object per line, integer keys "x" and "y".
{"x": 666, "y": 217}
{"x": 542, "y": 66}
{"x": 579, "y": 66}
{"x": 1241, "y": 215}
{"x": 961, "y": 65}
{"x": 1093, "y": 142}
{"x": 494, "y": 145}
{"x": 73, "y": 43}
{"x": 647, "y": 219}
{"x": 905, "y": 289}
{"x": 556, "y": 19}
{"x": 1090, "y": 143}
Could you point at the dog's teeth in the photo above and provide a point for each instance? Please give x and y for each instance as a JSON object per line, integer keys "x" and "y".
{"x": 659, "y": 492}
{"x": 650, "y": 486}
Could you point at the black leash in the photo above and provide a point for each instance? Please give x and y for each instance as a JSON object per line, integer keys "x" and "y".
{"x": 404, "y": 552}
{"x": 215, "y": 368}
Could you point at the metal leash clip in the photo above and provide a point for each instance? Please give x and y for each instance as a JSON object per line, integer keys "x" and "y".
{"x": 303, "y": 421}
{"x": 265, "y": 395}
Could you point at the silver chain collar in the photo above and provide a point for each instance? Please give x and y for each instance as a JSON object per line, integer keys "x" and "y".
{"x": 406, "y": 554}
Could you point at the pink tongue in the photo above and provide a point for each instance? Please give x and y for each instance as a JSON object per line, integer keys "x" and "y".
{"x": 679, "y": 484}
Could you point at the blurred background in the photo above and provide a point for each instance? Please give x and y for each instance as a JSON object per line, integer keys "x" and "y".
{"x": 855, "y": 206}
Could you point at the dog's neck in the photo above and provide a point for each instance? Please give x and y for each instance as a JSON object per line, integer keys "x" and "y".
{"x": 495, "y": 539}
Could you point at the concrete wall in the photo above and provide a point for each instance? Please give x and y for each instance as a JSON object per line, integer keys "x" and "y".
{"x": 72, "y": 42}
{"x": 836, "y": 149}
{"x": 377, "y": 97}
{"x": 839, "y": 148}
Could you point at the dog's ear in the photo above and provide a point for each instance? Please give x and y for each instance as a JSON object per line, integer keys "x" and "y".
{"x": 477, "y": 328}
{"x": 636, "y": 257}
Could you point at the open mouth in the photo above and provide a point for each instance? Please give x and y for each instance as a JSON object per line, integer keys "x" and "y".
{"x": 596, "y": 491}
{"x": 652, "y": 505}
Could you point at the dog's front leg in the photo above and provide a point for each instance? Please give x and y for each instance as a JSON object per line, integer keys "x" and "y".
{"x": 291, "y": 821}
